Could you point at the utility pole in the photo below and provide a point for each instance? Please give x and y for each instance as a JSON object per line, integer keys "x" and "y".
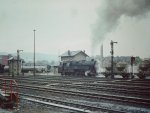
{"x": 101, "y": 54}
{"x": 34, "y": 53}
{"x": 112, "y": 58}
{"x": 18, "y": 58}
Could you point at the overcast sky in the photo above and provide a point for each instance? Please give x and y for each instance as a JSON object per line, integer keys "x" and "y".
{"x": 63, "y": 25}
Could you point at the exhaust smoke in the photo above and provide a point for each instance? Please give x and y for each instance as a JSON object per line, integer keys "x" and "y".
{"x": 110, "y": 13}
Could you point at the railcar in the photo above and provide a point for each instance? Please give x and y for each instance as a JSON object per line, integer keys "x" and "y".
{"x": 86, "y": 68}
{"x": 144, "y": 69}
{"x": 119, "y": 68}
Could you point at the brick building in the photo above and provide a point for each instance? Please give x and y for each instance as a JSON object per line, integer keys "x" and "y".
{"x": 4, "y": 59}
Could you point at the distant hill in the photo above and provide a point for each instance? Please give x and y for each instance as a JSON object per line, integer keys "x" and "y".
{"x": 27, "y": 56}
{"x": 38, "y": 56}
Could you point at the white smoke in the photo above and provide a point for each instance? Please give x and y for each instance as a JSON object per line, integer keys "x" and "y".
{"x": 112, "y": 11}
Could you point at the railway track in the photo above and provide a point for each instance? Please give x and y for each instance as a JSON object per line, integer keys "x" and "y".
{"x": 106, "y": 90}
{"x": 130, "y": 84}
{"x": 124, "y": 91}
{"x": 46, "y": 79}
{"x": 100, "y": 86}
{"x": 110, "y": 97}
{"x": 78, "y": 107}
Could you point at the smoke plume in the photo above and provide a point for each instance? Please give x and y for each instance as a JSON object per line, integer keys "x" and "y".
{"x": 110, "y": 13}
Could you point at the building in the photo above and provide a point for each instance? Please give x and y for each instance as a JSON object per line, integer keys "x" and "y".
{"x": 4, "y": 59}
{"x": 14, "y": 66}
{"x": 73, "y": 56}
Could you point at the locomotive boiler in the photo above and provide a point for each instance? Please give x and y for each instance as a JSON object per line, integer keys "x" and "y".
{"x": 85, "y": 68}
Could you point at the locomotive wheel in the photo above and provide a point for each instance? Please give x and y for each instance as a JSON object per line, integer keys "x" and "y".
{"x": 107, "y": 76}
{"x": 142, "y": 77}
{"x": 61, "y": 74}
{"x": 132, "y": 77}
{"x": 125, "y": 76}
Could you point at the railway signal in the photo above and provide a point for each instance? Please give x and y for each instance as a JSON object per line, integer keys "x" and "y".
{"x": 132, "y": 62}
{"x": 112, "y": 57}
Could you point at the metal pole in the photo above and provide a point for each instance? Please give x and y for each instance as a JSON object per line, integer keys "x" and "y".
{"x": 112, "y": 58}
{"x": 112, "y": 52}
{"x": 101, "y": 51}
{"x": 17, "y": 62}
{"x": 34, "y": 53}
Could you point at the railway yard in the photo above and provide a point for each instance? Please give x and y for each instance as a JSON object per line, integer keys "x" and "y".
{"x": 68, "y": 94}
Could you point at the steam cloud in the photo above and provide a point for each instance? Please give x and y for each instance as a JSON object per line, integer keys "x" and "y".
{"x": 111, "y": 12}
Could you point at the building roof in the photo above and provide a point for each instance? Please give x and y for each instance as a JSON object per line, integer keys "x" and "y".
{"x": 72, "y": 53}
{"x": 14, "y": 58}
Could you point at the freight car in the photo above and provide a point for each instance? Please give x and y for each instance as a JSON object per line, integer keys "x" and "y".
{"x": 38, "y": 69}
{"x": 119, "y": 68}
{"x": 144, "y": 69}
{"x": 85, "y": 68}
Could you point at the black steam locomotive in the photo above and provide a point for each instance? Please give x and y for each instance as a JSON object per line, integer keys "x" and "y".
{"x": 85, "y": 68}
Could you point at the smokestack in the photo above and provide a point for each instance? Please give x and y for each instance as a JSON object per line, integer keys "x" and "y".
{"x": 69, "y": 53}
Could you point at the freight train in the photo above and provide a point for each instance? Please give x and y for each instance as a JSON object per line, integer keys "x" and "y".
{"x": 119, "y": 68}
{"x": 85, "y": 68}
{"x": 122, "y": 69}
{"x": 89, "y": 68}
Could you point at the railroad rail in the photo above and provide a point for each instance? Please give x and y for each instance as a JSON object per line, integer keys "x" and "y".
{"x": 110, "y": 97}
{"x": 101, "y": 82}
{"x": 102, "y": 86}
{"x": 79, "y": 107}
{"x": 108, "y": 89}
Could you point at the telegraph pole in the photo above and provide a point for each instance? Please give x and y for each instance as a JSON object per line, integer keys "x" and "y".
{"x": 101, "y": 52}
{"x": 112, "y": 58}
{"x": 34, "y": 53}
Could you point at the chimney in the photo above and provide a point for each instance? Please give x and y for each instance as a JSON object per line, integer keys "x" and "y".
{"x": 69, "y": 53}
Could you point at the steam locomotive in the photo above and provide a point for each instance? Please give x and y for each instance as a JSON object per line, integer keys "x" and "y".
{"x": 85, "y": 68}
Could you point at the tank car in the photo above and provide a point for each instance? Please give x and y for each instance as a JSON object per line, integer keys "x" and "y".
{"x": 144, "y": 69}
{"x": 86, "y": 68}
